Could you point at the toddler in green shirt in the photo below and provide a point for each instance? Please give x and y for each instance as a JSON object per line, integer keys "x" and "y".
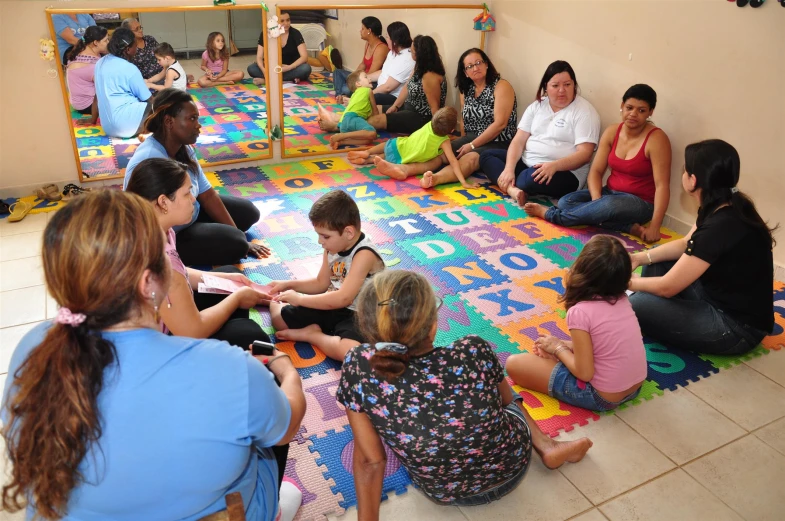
{"x": 353, "y": 125}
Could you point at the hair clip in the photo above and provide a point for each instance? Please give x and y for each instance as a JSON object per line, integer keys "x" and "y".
{"x": 388, "y": 302}
{"x": 734, "y": 189}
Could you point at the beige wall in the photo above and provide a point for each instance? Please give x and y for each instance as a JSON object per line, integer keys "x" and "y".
{"x": 719, "y": 72}
{"x": 345, "y": 34}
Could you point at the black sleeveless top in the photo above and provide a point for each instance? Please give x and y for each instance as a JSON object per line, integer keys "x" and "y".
{"x": 478, "y": 113}
{"x": 418, "y": 100}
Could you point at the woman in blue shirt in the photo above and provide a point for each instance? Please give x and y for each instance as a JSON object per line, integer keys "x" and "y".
{"x": 69, "y": 29}
{"x": 108, "y": 418}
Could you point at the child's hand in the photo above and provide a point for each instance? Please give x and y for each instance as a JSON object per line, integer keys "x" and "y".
{"x": 547, "y": 344}
{"x": 290, "y": 297}
{"x": 278, "y": 286}
{"x": 542, "y": 354}
{"x": 470, "y": 184}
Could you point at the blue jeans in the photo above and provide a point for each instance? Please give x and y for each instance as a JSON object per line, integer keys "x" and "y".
{"x": 492, "y": 163}
{"x": 339, "y": 82}
{"x": 689, "y": 321}
{"x": 564, "y": 386}
{"x": 301, "y": 72}
{"x": 497, "y": 492}
{"x": 617, "y": 211}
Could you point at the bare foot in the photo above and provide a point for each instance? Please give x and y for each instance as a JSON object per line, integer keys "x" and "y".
{"x": 258, "y": 81}
{"x": 556, "y": 453}
{"x": 517, "y": 194}
{"x": 335, "y": 141}
{"x": 299, "y": 335}
{"x": 636, "y": 230}
{"x": 359, "y": 157}
{"x": 389, "y": 169}
{"x": 427, "y": 180}
{"x": 535, "y": 210}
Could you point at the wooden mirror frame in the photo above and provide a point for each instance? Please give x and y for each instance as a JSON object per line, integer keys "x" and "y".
{"x": 61, "y": 71}
{"x": 279, "y": 8}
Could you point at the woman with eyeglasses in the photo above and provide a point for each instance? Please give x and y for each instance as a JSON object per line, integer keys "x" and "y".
{"x": 489, "y": 111}
{"x": 145, "y": 49}
{"x": 556, "y": 138}
{"x": 124, "y": 100}
{"x": 447, "y": 413}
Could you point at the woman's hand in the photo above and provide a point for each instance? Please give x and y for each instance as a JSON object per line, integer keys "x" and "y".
{"x": 543, "y": 173}
{"x": 258, "y": 250}
{"x": 236, "y": 277}
{"x": 548, "y": 344}
{"x": 650, "y": 234}
{"x": 465, "y": 149}
{"x": 506, "y": 179}
{"x": 280, "y": 367}
{"x": 392, "y": 109}
{"x": 290, "y": 297}
{"x": 279, "y": 286}
{"x": 635, "y": 261}
{"x": 248, "y": 298}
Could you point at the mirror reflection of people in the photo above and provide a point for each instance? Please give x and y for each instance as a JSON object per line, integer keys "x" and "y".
{"x": 80, "y": 72}
{"x": 215, "y": 234}
{"x": 398, "y": 65}
{"x": 181, "y": 422}
{"x": 146, "y": 45}
{"x": 489, "y": 114}
{"x": 124, "y": 101}
{"x": 373, "y": 58}
{"x": 710, "y": 291}
{"x": 447, "y": 413}
{"x": 172, "y": 73}
{"x": 556, "y": 138}
{"x": 294, "y": 54}
{"x": 69, "y": 29}
{"x": 215, "y": 63}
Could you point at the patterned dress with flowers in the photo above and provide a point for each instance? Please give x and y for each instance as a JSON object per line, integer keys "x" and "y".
{"x": 443, "y": 417}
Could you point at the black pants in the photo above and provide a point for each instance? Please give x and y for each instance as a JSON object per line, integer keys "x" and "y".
{"x": 406, "y": 120}
{"x": 384, "y": 99}
{"x": 212, "y": 243}
{"x": 241, "y": 331}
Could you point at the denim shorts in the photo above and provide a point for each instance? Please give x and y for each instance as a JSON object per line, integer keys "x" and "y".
{"x": 485, "y": 497}
{"x": 564, "y": 386}
{"x": 391, "y": 153}
{"x": 353, "y": 122}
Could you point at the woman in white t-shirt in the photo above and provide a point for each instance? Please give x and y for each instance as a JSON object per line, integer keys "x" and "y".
{"x": 398, "y": 65}
{"x": 556, "y": 138}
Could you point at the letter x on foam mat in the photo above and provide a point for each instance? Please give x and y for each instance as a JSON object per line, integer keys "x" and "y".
{"x": 499, "y": 272}
{"x": 234, "y": 127}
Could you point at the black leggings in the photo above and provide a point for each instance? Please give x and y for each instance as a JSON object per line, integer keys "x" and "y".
{"x": 241, "y": 331}
{"x": 406, "y": 120}
{"x": 384, "y": 98}
{"x": 207, "y": 242}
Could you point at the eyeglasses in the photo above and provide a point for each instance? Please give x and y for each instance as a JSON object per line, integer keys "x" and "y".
{"x": 137, "y": 29}
{"x": 473, "y": 65}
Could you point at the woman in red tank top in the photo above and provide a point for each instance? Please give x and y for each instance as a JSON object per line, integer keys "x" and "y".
{"x": 373, "y": 57}
{"x": 638, "y": 189}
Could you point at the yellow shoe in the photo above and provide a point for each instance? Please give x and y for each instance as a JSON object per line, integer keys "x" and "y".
{"x": 18, "y": 211}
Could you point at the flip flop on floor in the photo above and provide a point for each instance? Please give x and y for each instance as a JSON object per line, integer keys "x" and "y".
{"x": 49, "y": 192}
{"x": 18, "y": 211}
{"x": 71, "y": 190}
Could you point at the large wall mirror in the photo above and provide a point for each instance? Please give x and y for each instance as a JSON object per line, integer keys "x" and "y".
{"x": 327, "y": 27}
{"x": 232, "y": 109}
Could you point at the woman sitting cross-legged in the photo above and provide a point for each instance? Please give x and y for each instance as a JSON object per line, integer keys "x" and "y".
{"x": 710, "y": 291}
{"x": 489, "y": 113}
{"x": 447, "y": 413}
{"x": 165, "y": 183}
{"x": 105, "y": 417}
{"x": 216, "y": 232}
{"x": 604, "y": 363}
{"x": 638, "y": 188}
{"x": 556, "y": 137}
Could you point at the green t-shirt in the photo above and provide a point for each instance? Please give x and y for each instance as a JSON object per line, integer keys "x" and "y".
{"x": 421, "y": 146}
{"x": 360, "y": 103}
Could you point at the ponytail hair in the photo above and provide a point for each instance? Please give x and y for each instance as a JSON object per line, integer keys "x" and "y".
{"x": 716, "y": 166}
{"x": 169, "y": 102}
{"x": 97, "y": 249}
{"x": 157, "y": 176}
{"x": 94, "y": 33}
{"x": 396, "y": 306}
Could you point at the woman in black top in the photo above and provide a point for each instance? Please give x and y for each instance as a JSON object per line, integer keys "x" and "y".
{"x": 711, "y": 291}
{"x": 423, "y": 95}
{"x": 294, "y": 55}
{"x": 146, "y": 45}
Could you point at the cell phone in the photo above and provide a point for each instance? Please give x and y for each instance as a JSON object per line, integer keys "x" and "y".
{"x": 260, "y": 348}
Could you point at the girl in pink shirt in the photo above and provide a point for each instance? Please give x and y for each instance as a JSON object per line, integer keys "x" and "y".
{"x": 604, "y": 363}
{"x": 215, "y": 63}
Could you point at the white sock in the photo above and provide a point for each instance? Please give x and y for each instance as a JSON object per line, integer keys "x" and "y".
{"x": 290, "y": 500}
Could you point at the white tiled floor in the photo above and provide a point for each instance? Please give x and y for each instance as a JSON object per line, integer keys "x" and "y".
{"x": 714, "y": 450}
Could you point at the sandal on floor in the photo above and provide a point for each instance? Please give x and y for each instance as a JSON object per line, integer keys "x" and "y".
{"x": 18, "y": 211}
{"x": 4, "y": 208}
{"x": 49, "y": 192}
{"x": 71, "y": 190}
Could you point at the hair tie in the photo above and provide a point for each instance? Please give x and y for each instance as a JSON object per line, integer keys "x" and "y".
{"x": 393, "y": 347}
{"x": 734, "y": 189}
{"x": 65, "y": 317}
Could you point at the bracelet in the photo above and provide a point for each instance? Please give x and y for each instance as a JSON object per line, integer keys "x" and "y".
{"x": 269, "y": 362}
{"x": 559, "y": 349}
{"x": 648, "y": 256}
{"x": 471, "y": 145}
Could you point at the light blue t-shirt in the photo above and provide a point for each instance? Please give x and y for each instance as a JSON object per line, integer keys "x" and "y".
{"x": 122, "y": 95}
{"x": 61, "y": 21}
{"x": 152, "y": 148}
{"x": 185, "y": 422}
